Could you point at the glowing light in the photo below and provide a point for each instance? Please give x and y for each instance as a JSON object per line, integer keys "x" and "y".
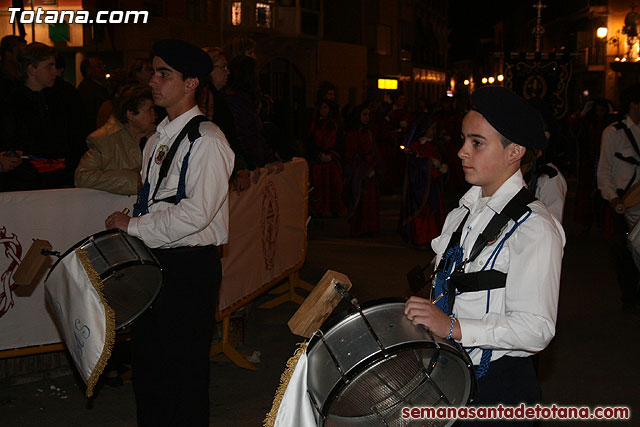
{"x": 236, "y": 13}
{"x": 585, "y": 92}
{"x": 389, "y": 84}
{"x": 601, "y": 32}
{"x": 402, "y": 147}
{"x": 484, "y": 80}
{"x": 617, "y": 59}
{"x": 500, "y": 77}
{"x": 466, "y": 82}
{"x": 491, "y": 80}
{"x": 108, "y": 76}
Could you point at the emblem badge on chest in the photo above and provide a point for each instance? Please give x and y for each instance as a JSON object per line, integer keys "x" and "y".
{"x": 161, "y": 153}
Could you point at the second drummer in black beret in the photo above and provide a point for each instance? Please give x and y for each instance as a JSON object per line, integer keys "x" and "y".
{"x": 497, "y": 114}
{"x": 499, "y": 255}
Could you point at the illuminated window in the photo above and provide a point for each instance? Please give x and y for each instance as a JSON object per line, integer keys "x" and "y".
{"x": 263, "y": 15}
{"x": 388, "y": 84}
{"x": 236, "y": 13}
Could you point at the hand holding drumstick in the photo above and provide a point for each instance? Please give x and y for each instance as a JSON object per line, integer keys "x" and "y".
{"x": 119, "y": 220}
{"x": 422, "y": 311}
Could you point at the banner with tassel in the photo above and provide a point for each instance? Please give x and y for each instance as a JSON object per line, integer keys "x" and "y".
{"x": 291, "y": 405}
{"x": 73, "y": 289}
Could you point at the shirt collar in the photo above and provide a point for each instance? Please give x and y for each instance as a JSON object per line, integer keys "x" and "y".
{"x": 170, "y": 129}
{"x": 500, "y": 198}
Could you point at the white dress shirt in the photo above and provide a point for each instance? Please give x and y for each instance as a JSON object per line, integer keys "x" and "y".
{"x": 613, "y": 173}
{"x": 202, "y": 217}
{"x": 552, "y": 192}
{"x": 522, "y": 315}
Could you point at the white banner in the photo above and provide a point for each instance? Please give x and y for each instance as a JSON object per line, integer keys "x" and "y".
{"x": 267, "y": 238}
{"x": 64, "y": 218}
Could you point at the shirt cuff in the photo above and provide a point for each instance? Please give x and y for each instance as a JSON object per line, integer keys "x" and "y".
{"x": 132, "y": 228}
{"x": 474, "y": 332}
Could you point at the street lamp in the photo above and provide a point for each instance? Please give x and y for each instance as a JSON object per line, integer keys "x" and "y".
{"x": 500, "y": 77}
{"x": 602, "y": 32}
{"x": 491, "y": 80}
{"x": 466, "y": 82}
{"x": 484, "y": 80}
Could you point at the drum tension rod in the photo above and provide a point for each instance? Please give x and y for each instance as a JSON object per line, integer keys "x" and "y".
{"x": 333, "y": 356}
{"x": 315, "y": 405}
{"x": 354, "y": 302}
{"x": 49, "y": 252}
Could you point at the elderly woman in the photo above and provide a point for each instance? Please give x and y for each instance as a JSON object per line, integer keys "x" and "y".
{"x": 114, "y": 158}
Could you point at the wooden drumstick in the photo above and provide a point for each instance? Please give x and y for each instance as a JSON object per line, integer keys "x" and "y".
{"x": 126, "y": 211}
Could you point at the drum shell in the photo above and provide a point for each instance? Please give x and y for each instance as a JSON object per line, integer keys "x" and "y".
{"x": 355, "y": 348}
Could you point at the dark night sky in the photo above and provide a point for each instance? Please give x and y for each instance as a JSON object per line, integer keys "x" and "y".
{"x": 470, "y": 20}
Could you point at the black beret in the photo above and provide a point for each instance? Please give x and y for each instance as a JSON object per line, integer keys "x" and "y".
{"x": 512, "y": 116}
{"x": 190, "y": 60}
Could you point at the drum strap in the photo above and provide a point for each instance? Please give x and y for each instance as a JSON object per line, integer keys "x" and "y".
{"x": 483, "y": 280}
{"x": 192, "y": 130}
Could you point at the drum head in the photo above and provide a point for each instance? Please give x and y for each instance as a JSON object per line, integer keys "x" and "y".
{"x": 380, "y": 391}
{"x": 355, "y": 383}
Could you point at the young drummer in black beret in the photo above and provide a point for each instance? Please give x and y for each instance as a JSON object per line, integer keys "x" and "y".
{"x": 500, "y": 298}
{"x": 182, "y": 214}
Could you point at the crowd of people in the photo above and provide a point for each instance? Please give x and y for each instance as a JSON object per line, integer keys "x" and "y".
{"x": 55, "y": 135}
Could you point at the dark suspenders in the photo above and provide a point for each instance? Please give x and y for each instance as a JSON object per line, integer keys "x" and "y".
{"x": 486, "y": 279}
{"x": 192, "y": 130}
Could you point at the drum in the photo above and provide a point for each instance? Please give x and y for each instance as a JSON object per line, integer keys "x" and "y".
{"x": 365, "y": 367}
{"x": 131, "y": 274}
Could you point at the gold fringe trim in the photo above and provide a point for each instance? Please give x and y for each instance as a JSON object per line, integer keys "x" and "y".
{"x": 270, "y": 420}
{"x": 110, "y": 315}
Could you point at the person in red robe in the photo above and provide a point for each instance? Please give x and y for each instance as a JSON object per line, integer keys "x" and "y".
{"x": 326, "y": 169}
{"x": 422, "y": 213}
{"x": 360, "y": 179}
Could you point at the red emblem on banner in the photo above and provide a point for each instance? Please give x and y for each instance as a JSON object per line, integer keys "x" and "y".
{"x": 13, "y": 251}
{"x": 270, "y": 223}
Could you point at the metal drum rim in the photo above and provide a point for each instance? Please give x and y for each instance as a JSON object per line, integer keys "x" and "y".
{"x": 112, "y": 231}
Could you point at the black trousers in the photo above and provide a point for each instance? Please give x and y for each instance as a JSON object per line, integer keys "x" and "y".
{"x": 627, "y": 273}
{"x": 170, "y": 341}
{"x": 510, "y": 381}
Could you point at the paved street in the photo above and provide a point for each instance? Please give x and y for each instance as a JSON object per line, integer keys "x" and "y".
{"x": 593, "y": 360}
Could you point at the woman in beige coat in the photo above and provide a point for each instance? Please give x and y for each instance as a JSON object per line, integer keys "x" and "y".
{"x": 114, "y": 158}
